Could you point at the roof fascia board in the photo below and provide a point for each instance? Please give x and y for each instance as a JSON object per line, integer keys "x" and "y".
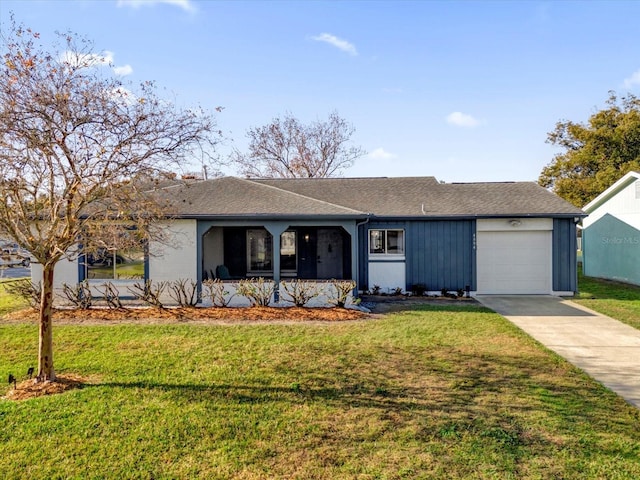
{"x": 475, "y": 217}
{"x": 268, "y": 216}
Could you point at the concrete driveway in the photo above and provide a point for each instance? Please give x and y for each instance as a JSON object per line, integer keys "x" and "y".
{"x": 604, "y": 348}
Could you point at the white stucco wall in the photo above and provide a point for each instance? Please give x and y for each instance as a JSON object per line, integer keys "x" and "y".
{"x": 388, "y": 275}
{"x": 66, "y": 271}
{"x": 176, "y": 258}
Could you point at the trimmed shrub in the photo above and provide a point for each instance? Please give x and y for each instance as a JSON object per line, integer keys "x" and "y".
{"x": 213, "y": 289}
{"x": 149, "y": 292}
{"x": 301, "y": 292}
{"x": 342, "y": 291}
{"x": 79, "y": 295}
{"x": 257, "y": 290}
{"x": 184, "y": 292}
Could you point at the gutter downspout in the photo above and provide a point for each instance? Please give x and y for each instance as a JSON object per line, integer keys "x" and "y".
{"x": 357, "y": 272}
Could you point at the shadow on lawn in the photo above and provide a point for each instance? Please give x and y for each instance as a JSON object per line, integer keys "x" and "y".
{"x": 490, "y": 390}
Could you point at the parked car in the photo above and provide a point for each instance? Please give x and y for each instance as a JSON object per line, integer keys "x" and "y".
{"x": 103, "y": 257}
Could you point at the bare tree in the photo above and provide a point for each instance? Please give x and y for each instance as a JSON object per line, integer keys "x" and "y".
{"x": 77, "y": 152}
{"x": 287, "y": 148}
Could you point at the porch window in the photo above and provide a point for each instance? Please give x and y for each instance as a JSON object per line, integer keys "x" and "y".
{"x": 288, "y": 259}
{"x": 386, "y": 242}
{"x": 259, "y": 251}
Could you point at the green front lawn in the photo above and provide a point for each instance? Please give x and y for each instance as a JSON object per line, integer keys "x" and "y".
{"x": 617, "y": 300}
{"x": 9, "y": 303}
{"x": 429, "y": 393}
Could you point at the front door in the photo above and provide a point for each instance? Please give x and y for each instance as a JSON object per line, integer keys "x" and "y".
{"x": 329, "y": 253}
{"x": 307, "y": 266}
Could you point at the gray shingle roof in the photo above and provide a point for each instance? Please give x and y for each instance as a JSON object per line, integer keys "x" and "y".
{"x": 382, "y": 197}
{"x": 239, "y": 197}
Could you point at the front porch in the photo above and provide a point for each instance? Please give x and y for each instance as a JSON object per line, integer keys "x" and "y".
{"x": 278, "y": 250}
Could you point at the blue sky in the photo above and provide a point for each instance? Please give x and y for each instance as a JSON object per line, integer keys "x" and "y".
{"x": 463, "y": 91}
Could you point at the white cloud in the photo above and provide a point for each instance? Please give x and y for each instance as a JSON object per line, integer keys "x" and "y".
{"x": 186, "y": 5}
{"x": 339, "y": 43}
{"x": 89, "y": 60}
{"x": 381, "y": 154}
{"x": 633, "y": 80}
{"x": 77, "y": 59}
{"x": 460, "y": 119}
{"x": 123, "y": 70}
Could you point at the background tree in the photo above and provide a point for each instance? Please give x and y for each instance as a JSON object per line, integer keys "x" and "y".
{"x": 287, "y": 148}
{"x": 74, "y": 148}
{"x": 595, "y": 154}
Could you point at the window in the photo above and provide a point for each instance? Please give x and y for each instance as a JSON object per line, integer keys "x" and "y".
{"x": 259, "y": 251}
{"x": 288, "y": 261}
{"x": 115, "y": 264}
{"x": 386, "y": 242}
{"x": 116, "y": 253}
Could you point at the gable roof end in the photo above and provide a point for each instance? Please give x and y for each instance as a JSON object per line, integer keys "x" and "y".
{"x": 612, "y": 191}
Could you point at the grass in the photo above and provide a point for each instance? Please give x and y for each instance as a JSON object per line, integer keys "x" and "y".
{"x": 617, "y": 300}
{"x": 9, "y": 303}
{"x": 449, "y": 393}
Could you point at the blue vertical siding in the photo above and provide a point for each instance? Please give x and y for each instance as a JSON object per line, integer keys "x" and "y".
{"x": 564, "y": 246}
{"x": 439, "y": 253}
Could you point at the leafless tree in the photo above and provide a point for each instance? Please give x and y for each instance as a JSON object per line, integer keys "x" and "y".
{"x": 78, "y": 151}
{"x": 287, "y": 148}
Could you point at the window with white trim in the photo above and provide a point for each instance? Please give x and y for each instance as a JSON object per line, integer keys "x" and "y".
{"x": 386, "y": 242}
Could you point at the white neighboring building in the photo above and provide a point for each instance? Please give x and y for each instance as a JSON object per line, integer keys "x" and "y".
{"x": 611, "y": 232}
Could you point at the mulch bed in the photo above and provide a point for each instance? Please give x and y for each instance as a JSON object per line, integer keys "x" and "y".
{"x": 32, "y": 389}
{"x": 213, "y": 315}
{"x": 192, "y": 315}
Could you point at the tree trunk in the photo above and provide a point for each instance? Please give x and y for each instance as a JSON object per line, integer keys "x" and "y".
{"x": 45, "y": 344}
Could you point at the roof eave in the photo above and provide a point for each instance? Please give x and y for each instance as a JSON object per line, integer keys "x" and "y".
{"x": 268, "y": 216}
{"x": 477, "y": 216}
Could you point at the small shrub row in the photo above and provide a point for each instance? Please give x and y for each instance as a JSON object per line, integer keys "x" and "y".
{"x": 417, "y": 290}
{"x": 184, "y": 292}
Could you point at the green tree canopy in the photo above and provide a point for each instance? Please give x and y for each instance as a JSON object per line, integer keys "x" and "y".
{"x": 596, "y": 154}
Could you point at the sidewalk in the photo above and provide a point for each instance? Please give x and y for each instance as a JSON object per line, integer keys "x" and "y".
{"x": 604, "y": 348}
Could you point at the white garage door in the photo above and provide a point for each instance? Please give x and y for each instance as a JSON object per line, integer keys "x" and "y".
{"x": 514, "y": 262}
